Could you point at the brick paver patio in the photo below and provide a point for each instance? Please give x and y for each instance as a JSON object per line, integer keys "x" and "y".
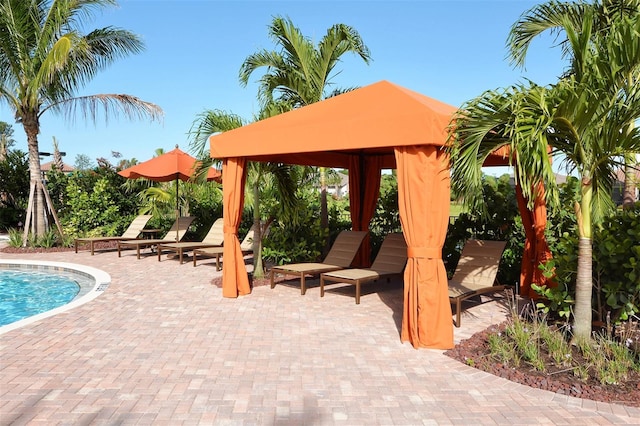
{"x": 161, "y": 346}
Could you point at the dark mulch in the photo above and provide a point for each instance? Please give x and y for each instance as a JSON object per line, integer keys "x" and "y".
{"x": 29, "y": 250}
{"x": 253, "y": 282}
{"x": 475, "y": 352}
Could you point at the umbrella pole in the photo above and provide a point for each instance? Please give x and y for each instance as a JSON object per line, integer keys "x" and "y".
{"x": 177, "y": 212}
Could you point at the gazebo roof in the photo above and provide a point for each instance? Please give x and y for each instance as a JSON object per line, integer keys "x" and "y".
{"x": 373, "y": 120}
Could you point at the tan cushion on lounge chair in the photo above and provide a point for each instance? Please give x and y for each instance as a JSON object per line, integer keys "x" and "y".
{"x": 344, "y": 248}
{"x": 308, "y": 268}
{"x": 136, "y": 226}
{"x": 215, "y": 236}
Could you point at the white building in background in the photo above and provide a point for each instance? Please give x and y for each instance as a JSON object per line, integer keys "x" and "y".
{"x": 341, "y": 188}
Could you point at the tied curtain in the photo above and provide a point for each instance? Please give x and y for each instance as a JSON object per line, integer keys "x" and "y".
{"x": 423, "y": 201}
{"x": 536, "y": 249}
{"x": 364, "y": 190}
{"x": 235, "y": 280}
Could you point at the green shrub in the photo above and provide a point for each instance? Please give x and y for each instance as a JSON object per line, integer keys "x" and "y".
{"x": 616, "y": 255}
{"x": 616, "y": 265}
{"x": 14, "y": 188}
{"x": 95, "y": 210}
{"x": 295, "y": 242}
{"x": 603, "y": 358}
{"x": 15, "y": 237}
{"x": 48, "y": 239}
{"x": 387, "y": 217}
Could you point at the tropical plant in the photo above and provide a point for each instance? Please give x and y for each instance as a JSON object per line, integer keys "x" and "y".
{"x": 45, "y": 59}
{"x": 277, "y": 179}
{"x": 14, "y": 188}
{"x": 57, "y": 156}
{"x": 299, "y": 73}
{"x": 6, "y": 139}
{"x": 584, "y": 117}
{"x": 602, "y": 44}
{"x": 555, "y": 17}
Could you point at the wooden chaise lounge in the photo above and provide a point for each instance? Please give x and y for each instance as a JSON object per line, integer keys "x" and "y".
{"x": 246, "y": 246}
{"x": 342, "y": 253}
{"x": 390, "y": 261}
{"x": 214, "y": 238}
{"x": 476, "y": 273}
{"x": 131, "y": 233}
{"x": 175, "y": 234}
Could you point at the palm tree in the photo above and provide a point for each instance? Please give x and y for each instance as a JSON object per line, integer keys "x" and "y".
{"x": 6, "y": 139}
{"x": 261, "y": 176}
{"x": 57, "y": 156}
{"x": 554, "y": 17}
{"x": 45, "y": 59}
{"x": 584, "y": 117}
{"x": 300, "y": 73}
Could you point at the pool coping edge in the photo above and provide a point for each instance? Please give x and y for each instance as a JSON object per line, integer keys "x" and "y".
{"x": 102, "y": 281}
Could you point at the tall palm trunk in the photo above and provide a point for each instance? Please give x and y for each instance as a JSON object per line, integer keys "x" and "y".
{"x": 629, "y": 192}
{"x": 584, "y": 280}
{"x": 3, "y": 155}
{"x": 630, "y": 172}
{"x": 258, "y": 268}
{"x": 31, "y": 126}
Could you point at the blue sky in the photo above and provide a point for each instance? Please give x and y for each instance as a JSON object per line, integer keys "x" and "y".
{"x": 448, "y": 50}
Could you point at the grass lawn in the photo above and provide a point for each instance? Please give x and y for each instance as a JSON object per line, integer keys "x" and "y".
{"x": 456, "y": 209}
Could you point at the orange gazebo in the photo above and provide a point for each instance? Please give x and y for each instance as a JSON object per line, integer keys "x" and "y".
{"x": 382, "y": 125}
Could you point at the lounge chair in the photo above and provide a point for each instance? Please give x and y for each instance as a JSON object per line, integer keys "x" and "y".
{"x": 215, "y": 237}
{"x": 246, "y": 246}
{"x": 476, "y": 273}
{"x": 175, "y": 234}
{"x": 131, "y": 233}
{"x": 390, "y": 261}
{"x": 340, "y": 256}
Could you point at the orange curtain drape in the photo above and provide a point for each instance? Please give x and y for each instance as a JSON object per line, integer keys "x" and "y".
{"x": 364, "y": 190}
{"x": 536, "y": 249}
{"x": 235, "y": 280}
{"x": 423, "y": 201}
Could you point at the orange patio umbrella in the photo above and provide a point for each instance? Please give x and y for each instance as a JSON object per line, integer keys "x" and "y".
{"x": 173, "y": 165}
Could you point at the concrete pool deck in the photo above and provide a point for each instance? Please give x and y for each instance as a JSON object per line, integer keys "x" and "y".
{"x": 162, "y": 346}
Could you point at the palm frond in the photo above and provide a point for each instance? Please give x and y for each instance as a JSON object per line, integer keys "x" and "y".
{"x": 90, "y": 107}
{"x": 207, "y": 123}
{"x": 551, "y": 16}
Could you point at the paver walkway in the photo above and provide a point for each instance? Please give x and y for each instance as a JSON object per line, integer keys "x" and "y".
{"x": 162, "y": 346}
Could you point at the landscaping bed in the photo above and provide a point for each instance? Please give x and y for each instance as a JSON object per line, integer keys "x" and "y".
{"x": 476, "y": 352}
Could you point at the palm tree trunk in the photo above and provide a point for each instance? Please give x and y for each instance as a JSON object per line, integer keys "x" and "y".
{"x": 629, "y": 193}
{"x": 258, "y": 268}
{"x": 32, "y": 128}
{"x": 584, "y": 280}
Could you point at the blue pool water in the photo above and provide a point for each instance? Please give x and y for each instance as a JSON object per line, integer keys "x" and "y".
{"x": 24, "y": 293}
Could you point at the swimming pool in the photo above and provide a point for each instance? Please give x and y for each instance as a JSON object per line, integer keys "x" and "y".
{"x": 33, "y": 290}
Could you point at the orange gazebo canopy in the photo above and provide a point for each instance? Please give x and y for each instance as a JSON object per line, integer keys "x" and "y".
{"x": 373, "y": 120}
